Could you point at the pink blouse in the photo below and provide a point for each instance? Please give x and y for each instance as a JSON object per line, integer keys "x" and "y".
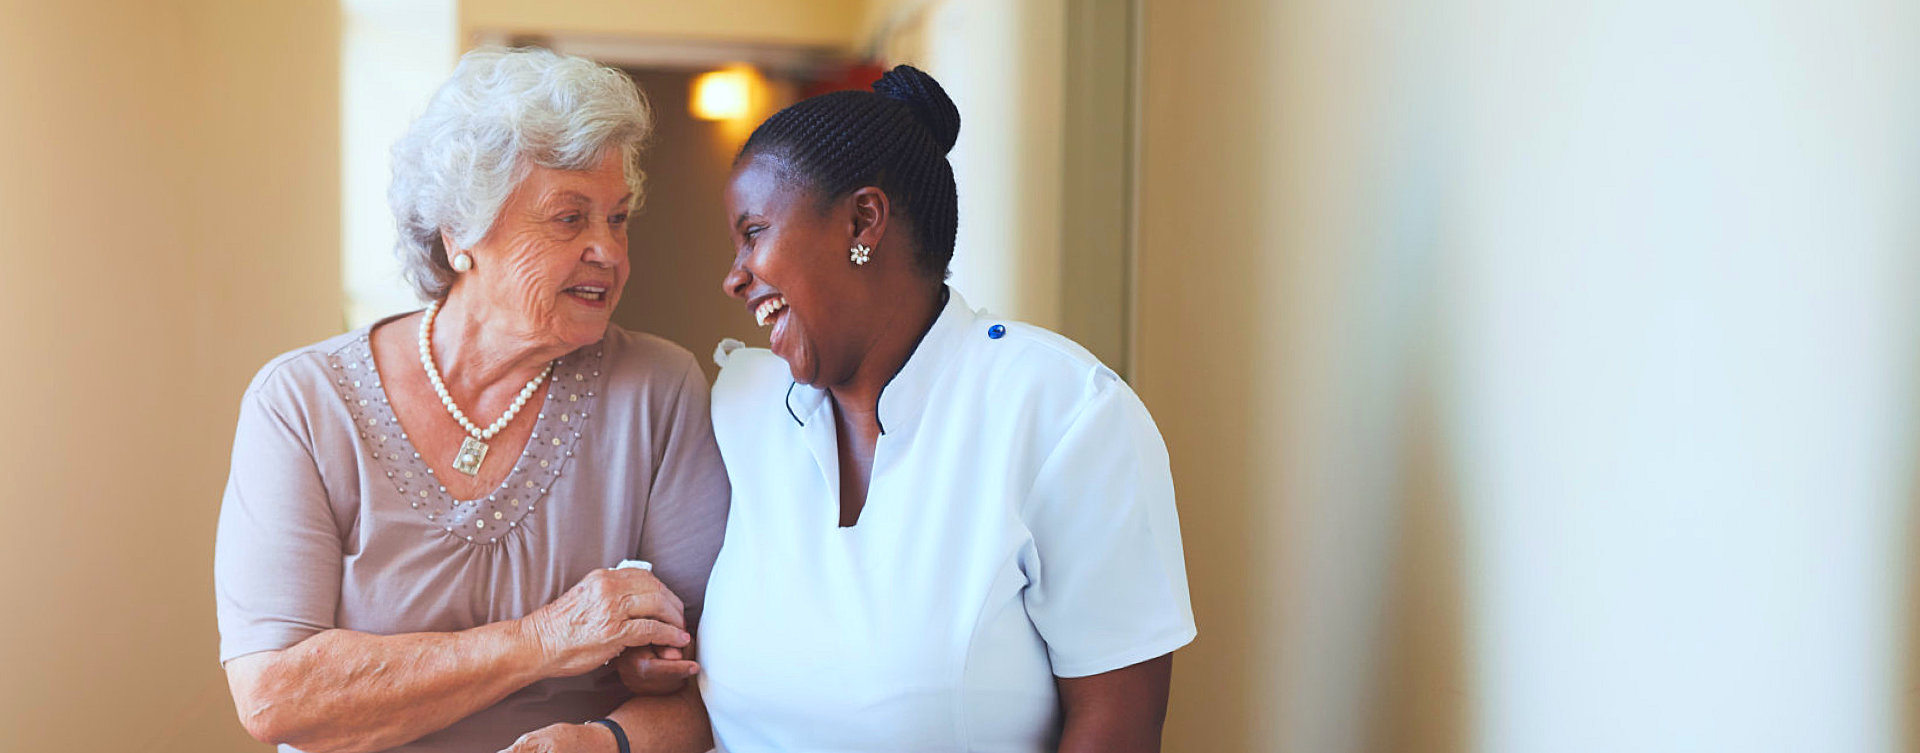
{"x": 332, "y": 520}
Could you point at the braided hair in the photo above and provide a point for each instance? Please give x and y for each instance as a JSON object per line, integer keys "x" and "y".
{"x": 895, "y": 137}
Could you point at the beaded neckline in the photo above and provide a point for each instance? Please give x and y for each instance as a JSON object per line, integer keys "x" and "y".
{"x": 570, "y": 401}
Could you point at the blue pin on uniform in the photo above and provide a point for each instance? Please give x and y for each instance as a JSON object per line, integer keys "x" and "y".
{"x": 997, "y": 331}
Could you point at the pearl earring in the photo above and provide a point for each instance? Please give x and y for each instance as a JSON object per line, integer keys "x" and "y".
{"x": 462, "y": 262}
{"x": 861, "y": 254}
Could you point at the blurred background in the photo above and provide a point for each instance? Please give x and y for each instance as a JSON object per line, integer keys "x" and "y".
{"x": 1537, "y": 376}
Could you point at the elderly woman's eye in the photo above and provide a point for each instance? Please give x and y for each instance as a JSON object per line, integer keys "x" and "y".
{"x": 618, "y": 219}
{"x": 569, "y": 218}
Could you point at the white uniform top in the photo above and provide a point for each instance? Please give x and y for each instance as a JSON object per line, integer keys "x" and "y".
{"x": 1019, "y": 526}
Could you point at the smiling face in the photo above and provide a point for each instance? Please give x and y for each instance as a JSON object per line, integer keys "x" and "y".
{"x": 791, "y": 268}
{"x": 552, "y": 267}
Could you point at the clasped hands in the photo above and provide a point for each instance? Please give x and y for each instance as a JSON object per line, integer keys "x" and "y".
{"x": 623, "y": 616}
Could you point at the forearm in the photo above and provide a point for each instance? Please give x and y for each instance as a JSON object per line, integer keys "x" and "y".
{"x": 343, "y": 691}
{"x": 666, "y": 723}
{"x": 1121, "y": 711}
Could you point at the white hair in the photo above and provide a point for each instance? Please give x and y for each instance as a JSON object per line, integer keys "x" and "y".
{"x": 501, "y": 113}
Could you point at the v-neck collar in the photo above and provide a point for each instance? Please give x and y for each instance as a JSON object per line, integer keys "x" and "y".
{"x": 902, "y": 404}
{"x": 572, "y": 394}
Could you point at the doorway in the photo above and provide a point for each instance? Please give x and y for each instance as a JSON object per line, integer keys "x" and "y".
{"x": 678, "y": 241}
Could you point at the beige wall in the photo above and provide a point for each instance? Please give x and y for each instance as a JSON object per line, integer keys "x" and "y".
{"x": 1537, "y": 376}
{"x": 816, "y": 22}
{"x": 168, "y": 221}
{"x": 1276, "y": 345}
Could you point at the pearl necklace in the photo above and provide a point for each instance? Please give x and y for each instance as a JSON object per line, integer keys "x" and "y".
{"x": 473, "y": 449}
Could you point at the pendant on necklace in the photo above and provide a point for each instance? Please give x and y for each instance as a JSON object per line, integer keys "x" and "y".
{"x": 472, "y": 452}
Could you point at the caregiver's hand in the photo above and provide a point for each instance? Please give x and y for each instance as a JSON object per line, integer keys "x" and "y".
{"x": 608, "y": 612}
{"x": 655, "y": 670}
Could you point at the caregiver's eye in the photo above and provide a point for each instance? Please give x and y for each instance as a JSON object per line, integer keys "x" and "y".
{"x": 618, "y": 219}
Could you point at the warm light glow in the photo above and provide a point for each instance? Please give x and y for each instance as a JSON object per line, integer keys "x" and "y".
{"x": 725, "y": 94}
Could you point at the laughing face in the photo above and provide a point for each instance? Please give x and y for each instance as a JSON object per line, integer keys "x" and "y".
{"x": 552, "y": 266}
{"x": 791, "y": 269}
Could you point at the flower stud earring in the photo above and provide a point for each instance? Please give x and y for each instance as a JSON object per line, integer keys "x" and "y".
{"x": 462, "y": 262}
{"x": 861, "y": 254}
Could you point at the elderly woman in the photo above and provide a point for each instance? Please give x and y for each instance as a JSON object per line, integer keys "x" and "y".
{"x": 414, "y": 544}
{"x": 963, "y": 526}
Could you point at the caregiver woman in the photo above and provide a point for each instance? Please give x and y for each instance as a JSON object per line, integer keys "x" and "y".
{"x": 414, "y": 543}
{"x": 949, "y": 531}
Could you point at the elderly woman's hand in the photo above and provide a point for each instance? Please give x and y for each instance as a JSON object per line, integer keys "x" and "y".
{"x": 608, "y": 612}
{"x": 565, "y": 738}
{"x": 655, "y": 670}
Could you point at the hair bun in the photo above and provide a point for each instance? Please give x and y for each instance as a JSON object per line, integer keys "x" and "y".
{"x": 930, "y": 103}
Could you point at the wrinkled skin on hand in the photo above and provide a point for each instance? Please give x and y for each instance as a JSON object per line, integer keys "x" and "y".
{"x": 608, "y": 612}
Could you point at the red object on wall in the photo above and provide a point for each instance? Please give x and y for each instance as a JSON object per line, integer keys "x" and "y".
{"x": 858, "y": 76}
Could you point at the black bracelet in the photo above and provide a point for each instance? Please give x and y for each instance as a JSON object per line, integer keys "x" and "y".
{"x": 619, "y": 735}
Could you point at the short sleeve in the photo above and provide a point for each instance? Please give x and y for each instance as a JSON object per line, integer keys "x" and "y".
{"x": 277, "y": 556}
{"x": 686, "y": 516}
{"x": 1108, "y": 583}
